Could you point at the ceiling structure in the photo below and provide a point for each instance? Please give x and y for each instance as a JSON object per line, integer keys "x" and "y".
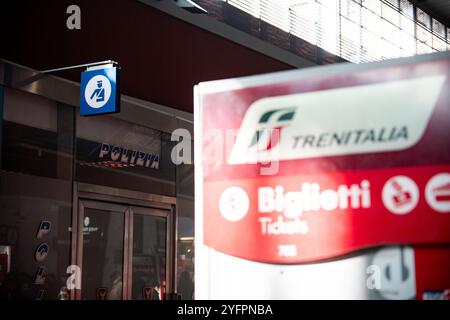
{"x": 439, "y": 9}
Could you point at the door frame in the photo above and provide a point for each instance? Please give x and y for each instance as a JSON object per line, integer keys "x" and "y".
{"x": 123, "y": 200}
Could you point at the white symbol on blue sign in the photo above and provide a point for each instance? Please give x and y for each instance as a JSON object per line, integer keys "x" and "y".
{"x": 40, "y": 294}
{"x": 44, "y": 229}
{"x": 40, "y": 278}
{"x": 41, "y": 252}
{"x": 100, "y": 91}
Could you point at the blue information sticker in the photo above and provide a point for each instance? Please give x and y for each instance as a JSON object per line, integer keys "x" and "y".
{"x": 100, "y": 91}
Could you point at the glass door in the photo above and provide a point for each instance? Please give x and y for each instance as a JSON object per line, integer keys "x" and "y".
{"x": 123, "y": 251}
{"x": 149, "y": 254}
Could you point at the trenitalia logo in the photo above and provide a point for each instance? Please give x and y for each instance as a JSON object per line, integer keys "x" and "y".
{"x": 265, "y": 139}
{"x": 380, "y": 117}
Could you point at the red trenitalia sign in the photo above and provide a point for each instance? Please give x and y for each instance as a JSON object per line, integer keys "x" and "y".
{"x": 332, "y": 214}
{"x": 304, "y": 166}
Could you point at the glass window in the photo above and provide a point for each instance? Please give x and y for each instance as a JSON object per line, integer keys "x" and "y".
{"x": 36, "y": 197}
{"x": 328, "y": 27}
{"x": 407, "y": 43}
{"x": 407, "y": 24}
{"x": 374, "y": 6}
{"x": 332, "y": 5}
{"x": 448, "y": 38}
{"x": 276, "y": 13}
{"x": 407, "y": 8}
{"x": 439, "y": 44}
{"x": 303, "y": 21}
{"x": 350, "y": 47}
{"x": 438, "y": 28}
{"x": 338, "y": 26}
{"x": 393, "y": 3}
{"x": 389, "y": 50}
{"x": 249, "y": 6}
{"x": 37, "y": 136}
{"x": 371, "y": 21}
{"x": 423, "y": 18}
{"x": 351, "y": 10}
{"x": 103, "y": 240}
{"x": 27, "y": 203}
{"x": 390, "y": 14}
{"x": 371, "y": 45}
{"x": 423, "y": 48}
{"x": 423, "y": 35}
{"x": 389, "y": 32}
{"x": 149, "y": 257}
{"x": 121, "y": 154}
{"x": 185, "y": 271}
{"x": 185, "y": 243}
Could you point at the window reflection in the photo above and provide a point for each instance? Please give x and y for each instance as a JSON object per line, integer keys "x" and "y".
{"x": 102, "y": 254}
{"x": 149, "y": 257}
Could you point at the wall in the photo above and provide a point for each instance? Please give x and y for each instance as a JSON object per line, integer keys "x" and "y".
{"x": 162, "y": 58}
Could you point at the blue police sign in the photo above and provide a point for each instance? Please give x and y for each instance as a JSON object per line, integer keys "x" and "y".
{"x": 100, "y": 91}
{"x": 44, "y": 229}
{"x": 41, "y": 252}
